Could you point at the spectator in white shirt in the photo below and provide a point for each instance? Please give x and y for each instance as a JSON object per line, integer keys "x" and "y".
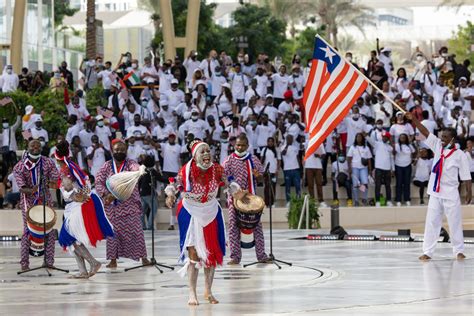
{"x": 170, "y": 153}
{"x": 360, "y": 166}
{"x": 209, "y": 65}
{"x": 291, "y": 167}
{"x": 384, "y": 166}
{"x": 263, "y": 131}
{"x": 86, "y": 135}
{"x": 216, "y": 81}
{"x": 104, "y": 75}
{"x": 195, "y": 126}
{"x": 401, "y": 127}
{"x": 8, "y": 139}
{"x": 133, "y": 150}
{"x": 270, "y": 157}
{"x": 297, "y": 82}
{"x": 174, "y": 95}
{"x": 39, "y": 131}
{"x": 190, "y": 63}
{"x": 340, "y": 178}
{"x": 137, "y": 130}
{"x": 263, "y": 83}
{"x": 355, "y": 124}
{"x": 73, "y": 128}
{"x": 281, "y": 82}
{"x": 423, "y": 168}
{"x": 148, "y": 71}
{"x": 239, "y": 83}
{"x": 383, "y": 110}
{"x": 161, "y": 131}
{"x": 225, "y": 102}
{"x": 314, "y": 174}
{"x": 9, "y": 80}
{"x": 235, "y": 129}
{"x": 403, "y": 159}
{"x": 103, "y": 132}
{"x": 96, "y": 155}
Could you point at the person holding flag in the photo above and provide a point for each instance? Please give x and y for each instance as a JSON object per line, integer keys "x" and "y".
{"x": 450, "y": 165}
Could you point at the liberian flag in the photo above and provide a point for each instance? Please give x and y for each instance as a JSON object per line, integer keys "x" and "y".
{"x": 332, "y": 88}
{"x": 132, "y": 77}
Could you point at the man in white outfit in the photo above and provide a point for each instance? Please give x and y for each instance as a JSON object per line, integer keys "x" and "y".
{"x": 449, "y": 164}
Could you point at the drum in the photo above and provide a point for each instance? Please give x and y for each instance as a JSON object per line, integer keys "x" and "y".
{"x": 249, "y": 212}
{"x": 34, "y": 223}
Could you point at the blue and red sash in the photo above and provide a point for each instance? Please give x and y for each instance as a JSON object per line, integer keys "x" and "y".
{"x": 249, "y": 166}
{"x": 438, "y": 169}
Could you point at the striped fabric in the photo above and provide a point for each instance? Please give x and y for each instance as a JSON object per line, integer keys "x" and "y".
{"x": 333, "y": 87}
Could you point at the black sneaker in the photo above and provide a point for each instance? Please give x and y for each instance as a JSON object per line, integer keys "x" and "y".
{"x": 422, "y": 202}
{"x": 171, "y": 227}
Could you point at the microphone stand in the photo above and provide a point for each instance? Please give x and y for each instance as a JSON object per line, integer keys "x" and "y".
{"x": 271, "y": 256}
{"x": 152, "y": 259}
{"x": 44, "y": 186}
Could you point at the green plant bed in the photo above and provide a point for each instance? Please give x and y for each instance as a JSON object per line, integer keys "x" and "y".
{"x": 294, "y": 213}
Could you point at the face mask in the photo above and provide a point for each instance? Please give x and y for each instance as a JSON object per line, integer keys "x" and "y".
{"x": 444, "y": 54}
{"x": 120, "y": 156}
{"x": 38, "y": 127}
{"x": 5, "y": 125}
{"x": 240, "y": 154}
{"x": 134, "y": 66}
{"x": 349, "y": 59}
{"x": 224, "y": 141}
{"x": 194, "y": 118}
{"x": 379, "y": 126}
{"x": 218, "y": 74}
{"x": 9, "y": 71}
{"x": 419, "y": 58}
{"x": 34, "y": 156}
{"x": 295, "y": 75}
{"x": 100, "y": 123}
{"x": 450, "y": 145}
{"x": 146, "y": 147}
{"x": 57, "y": 75}
{"x": 341, "y": 159}
{"x": 356, "y": 116}
{"x": 144, "y": 104}
{"x": 253, "y": 123}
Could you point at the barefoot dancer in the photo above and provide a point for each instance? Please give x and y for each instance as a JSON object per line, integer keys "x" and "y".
{"x": 201, "y": 225}
{"x": 125, "y": 216}
{"x": 85, "y": 222}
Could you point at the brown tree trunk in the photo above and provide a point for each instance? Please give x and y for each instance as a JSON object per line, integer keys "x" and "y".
{"x": 91, "y": 47}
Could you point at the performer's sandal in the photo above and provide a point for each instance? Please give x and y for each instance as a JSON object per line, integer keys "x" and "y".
{"x": 83, "y": 275}
{"x": 112, "y": 264}
{"x": 460, "y": 256}
{"x": 233, "y": 262}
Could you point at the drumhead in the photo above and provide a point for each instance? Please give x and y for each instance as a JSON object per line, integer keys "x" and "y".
{"x": 254, "y": 205}
{"x": 35, "y": 213}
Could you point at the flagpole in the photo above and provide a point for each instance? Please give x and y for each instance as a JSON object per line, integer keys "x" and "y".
{"x": 364, "y": 76}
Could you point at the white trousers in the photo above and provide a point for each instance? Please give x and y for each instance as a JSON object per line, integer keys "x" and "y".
{"x": 434, "y": 221}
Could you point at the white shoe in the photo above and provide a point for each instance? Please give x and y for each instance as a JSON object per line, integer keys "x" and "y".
{"x": 399, "y": 204}
{"x": 377, "y": 204}
{"x": 408, "y": 203}
{"x": 389, "y": 203}
{"x": 323, "y": 204}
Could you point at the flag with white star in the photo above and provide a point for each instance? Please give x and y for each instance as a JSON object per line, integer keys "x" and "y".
{"x": 332, "y": 88}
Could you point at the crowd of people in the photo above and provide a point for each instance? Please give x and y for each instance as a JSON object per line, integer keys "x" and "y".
{"x": 158, "y": 107}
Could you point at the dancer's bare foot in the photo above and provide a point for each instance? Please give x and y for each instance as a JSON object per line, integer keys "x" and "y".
{"x": 233, "y": 262}
{"x": 193, "y": 301}
{"x": 460, "y": 256}
{"x": 112, "y": 264}
{"x": 145, "y": 261}
{"x": 83, "y": 275}
{"x": 24, "y": 268}
{"x": 424, "y": 258}
{"x": 95, "y": 268}
{"x": 211, "y": 299}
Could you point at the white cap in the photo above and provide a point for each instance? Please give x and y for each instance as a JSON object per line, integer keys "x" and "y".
{"x": 186, "y": 116}
{"x": 164, "y": 101}
{"x": 150, "y": 80}
{"x": 28, "y": 109}
{"x": 200, "y": 82}
{"x": 38, "y": 119}
{"x": 386, "y": 49}
{"x": 99, "y": 117}
{"x": 269, "y": 96}
{"x": 174, "y": 81}
{"x": 463, "y": 78}
{"x": 225, "y": 85}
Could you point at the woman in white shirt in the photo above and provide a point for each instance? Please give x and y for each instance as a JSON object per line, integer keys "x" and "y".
{"x": 271, "y": 157}
{"x": 225, "y": 101}
{"x": 401, "y": 83}
{"x": 403, "y": 159}
{"x": 423, "y": 168}
{"x": 199, "y": 97}
{"x": 360, "y": 165}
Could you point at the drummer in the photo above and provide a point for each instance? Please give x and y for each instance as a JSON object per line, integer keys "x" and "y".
{"x": 28, "y": 173}
{"x": 243, "y": 168}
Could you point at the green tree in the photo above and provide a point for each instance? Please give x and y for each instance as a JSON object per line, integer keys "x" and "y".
{"x": 264, "y": 32}
{"x": 62, "y": 9}
{"x": 461, "y": 43}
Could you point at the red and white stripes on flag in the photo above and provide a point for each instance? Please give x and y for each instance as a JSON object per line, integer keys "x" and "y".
{"x": 332, "y": 88}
